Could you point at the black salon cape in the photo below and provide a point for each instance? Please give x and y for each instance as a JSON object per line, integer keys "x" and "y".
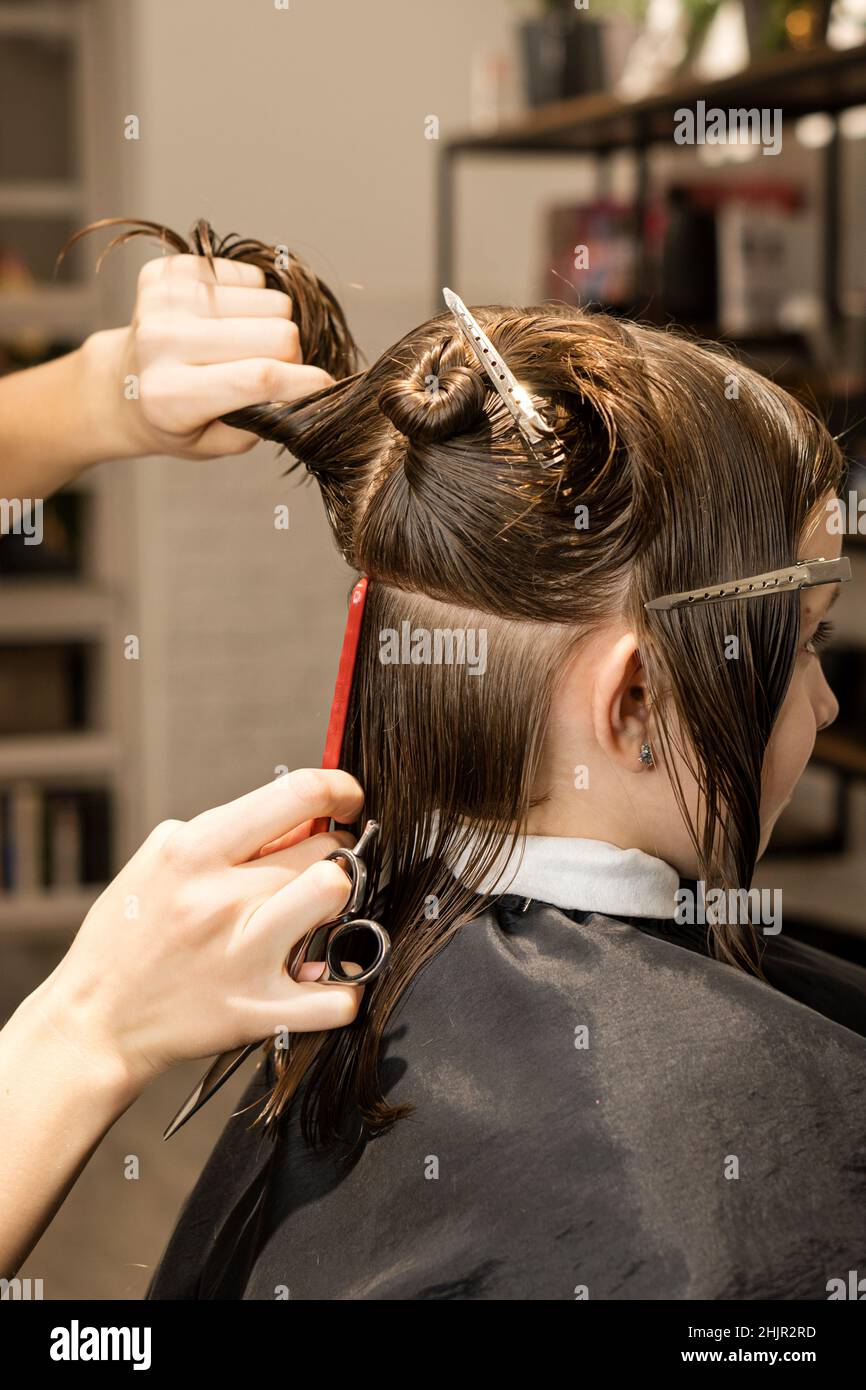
{"x": 533, "y": 1168}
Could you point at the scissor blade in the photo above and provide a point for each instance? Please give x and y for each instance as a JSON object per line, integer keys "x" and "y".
{"x": 228, "y": 1062}
{"x": 225, "y": 1066}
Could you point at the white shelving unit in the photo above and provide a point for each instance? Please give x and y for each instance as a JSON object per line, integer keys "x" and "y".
{"x": 96, "y": 607}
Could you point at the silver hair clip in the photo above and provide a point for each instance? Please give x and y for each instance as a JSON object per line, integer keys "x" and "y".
{"x": 804, "y": 574}
{"x": 534, "y": 428}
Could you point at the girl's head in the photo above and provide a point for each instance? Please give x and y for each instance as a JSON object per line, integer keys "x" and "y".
{"x": 682, "y": 468}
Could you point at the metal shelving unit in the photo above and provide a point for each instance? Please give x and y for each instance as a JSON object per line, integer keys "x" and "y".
{"x": 599, "y": 125}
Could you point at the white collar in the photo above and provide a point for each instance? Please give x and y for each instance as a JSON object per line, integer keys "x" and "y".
{"x": 586, "y": 875}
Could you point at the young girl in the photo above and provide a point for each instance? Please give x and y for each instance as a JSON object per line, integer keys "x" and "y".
{"x": 589, "y": 1070}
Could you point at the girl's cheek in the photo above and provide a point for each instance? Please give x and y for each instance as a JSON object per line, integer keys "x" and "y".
{"x": 790, "y": 747}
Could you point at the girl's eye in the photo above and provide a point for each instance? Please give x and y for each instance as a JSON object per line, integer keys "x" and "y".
{"x": 820, "y": 638}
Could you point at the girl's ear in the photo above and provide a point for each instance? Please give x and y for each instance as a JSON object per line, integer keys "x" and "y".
{"x": 620, "y": 703}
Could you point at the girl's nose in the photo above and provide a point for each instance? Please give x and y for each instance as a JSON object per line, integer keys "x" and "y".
{"x": 826, "y": 704}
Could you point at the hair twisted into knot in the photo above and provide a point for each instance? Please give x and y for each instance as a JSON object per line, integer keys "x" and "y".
{"x": 441, "y": 397}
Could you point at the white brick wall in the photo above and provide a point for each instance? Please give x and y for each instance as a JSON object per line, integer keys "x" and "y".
{"x": 240, "y": 628}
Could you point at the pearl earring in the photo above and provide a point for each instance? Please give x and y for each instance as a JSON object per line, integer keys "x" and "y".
{"x": 646, "y": 755}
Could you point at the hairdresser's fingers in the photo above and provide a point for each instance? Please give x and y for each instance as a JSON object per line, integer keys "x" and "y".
{"x": 293, "y": 859}
{"x": 292, "y": 837}
{"x": 314, "y": 1007}
{"x": 234, "y": 832}
{"x": 164, "y": 269}
{"x": 317, "y": 896}
{"x": 177, "y": 399}
{"x": 266, "y": 379}
{"x": 237, "y": 302}
{"x": 311, "y": 970}
{"x": 197, "y": 342}
{"x": 203, "y": 300}
{"x": 221, "y": 441}
{"x": 259, "y": 878}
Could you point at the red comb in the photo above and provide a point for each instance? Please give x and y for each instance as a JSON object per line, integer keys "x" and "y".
{"x": 343, "y": 689}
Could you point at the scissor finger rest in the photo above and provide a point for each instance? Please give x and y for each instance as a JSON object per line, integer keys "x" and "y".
{"x": 355, "y": 867}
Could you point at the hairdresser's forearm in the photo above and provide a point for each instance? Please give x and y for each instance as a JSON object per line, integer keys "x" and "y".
{"x": 59, "y": 1095}
{"x": 59, "y": 418}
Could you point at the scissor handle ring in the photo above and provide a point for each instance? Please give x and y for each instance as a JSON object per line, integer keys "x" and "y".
{"x": 383, "y": 942}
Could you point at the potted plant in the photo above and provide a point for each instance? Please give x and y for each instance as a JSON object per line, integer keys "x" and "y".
{"x": 775, "y": 24}
{"x": 562, "y": 51}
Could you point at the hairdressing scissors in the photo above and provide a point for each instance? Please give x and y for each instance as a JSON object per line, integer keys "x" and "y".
{"x": 347, "y": 927}
{"x": 339, "y": 933}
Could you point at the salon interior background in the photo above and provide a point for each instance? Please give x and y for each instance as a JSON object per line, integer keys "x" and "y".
{"x": 323, "y": 125}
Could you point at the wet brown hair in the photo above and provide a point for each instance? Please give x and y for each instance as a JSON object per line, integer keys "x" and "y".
{"x": 693, "y": 469}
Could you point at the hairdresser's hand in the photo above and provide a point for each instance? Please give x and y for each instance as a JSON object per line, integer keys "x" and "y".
{"x": 200, "y": 349}
{"x": 194, "y": 351}
{"x": 182, "y": 956}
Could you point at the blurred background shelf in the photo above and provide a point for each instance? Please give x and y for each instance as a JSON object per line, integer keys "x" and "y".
{"x": 828, "y": 82}
{"x": 40, "y": 198}
{"x": 68, "y": 756}
{"x": 48, "y": 609}
{"x": 80, "y": 758}
{"x": 822, "y": 79}
{"x": 46, "y": 913}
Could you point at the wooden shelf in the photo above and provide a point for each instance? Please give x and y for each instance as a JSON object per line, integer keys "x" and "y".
{"x": 822, "y": 79}
{"x": 45, "y": 20}
{"x": 78, "y": 757}
{"x": 46, "y": 609}
{"x": 58, "y": 910}
{"x": 40, "y": 198}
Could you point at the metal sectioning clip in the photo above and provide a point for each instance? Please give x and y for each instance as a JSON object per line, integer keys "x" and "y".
{"x": 802, "y": 574}
{"x": 539, "y": 435}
